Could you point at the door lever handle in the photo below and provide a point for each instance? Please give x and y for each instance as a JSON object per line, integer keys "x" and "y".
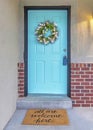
{"x": 64, "y": 60}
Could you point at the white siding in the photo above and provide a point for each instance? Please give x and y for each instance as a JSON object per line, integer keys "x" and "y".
{"x": 8, "y": 59}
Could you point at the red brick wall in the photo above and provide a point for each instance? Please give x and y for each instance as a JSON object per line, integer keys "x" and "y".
{"x": 21, "y": 79}
{"x": 81, "y": 83}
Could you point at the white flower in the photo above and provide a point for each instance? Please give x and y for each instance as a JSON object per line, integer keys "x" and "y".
{"x": 52, "y": 41}
{"x": 53, "y": 33}
{"x": 46, "y": 42}
{"x": 40, "y": 41}
{"x": 54, "y": 30}
{"x": 47, "y": 22}
{"x": 49, "y": 38}
{"x": 56, "y": 36}
{"x": 43, "y": 39}
{"x": 40, "y": 35}
{"x": 55, "y": 24}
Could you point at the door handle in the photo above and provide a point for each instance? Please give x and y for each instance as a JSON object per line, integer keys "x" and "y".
{"x": 64, "y": 60}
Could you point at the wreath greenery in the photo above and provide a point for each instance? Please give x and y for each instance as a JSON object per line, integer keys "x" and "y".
{"x": 47, "y": 32}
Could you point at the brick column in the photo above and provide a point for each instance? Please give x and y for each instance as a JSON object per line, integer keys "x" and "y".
{"x": 21, "y": 79}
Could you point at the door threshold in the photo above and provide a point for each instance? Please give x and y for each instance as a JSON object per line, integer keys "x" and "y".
{"x": 46, "y": 95}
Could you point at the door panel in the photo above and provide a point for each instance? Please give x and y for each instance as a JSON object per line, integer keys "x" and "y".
{"x": 46, "y": 72}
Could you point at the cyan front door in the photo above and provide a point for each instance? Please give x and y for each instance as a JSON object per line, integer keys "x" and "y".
{"x": 47, "y": 64}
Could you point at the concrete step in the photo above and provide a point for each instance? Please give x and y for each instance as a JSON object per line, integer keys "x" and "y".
{"x": 44, "y": 102}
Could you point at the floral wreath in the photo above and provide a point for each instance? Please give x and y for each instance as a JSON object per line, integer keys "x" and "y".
{"x": 47, "y": 32}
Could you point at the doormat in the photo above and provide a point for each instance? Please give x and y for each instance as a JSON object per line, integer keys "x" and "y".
{"x": 46, "y": 117}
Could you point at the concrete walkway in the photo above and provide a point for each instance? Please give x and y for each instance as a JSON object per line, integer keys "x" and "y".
{"x": 80, "y": 119}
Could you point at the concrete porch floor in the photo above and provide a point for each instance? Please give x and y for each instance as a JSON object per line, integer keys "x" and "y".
{"x": 79, "y": 118}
